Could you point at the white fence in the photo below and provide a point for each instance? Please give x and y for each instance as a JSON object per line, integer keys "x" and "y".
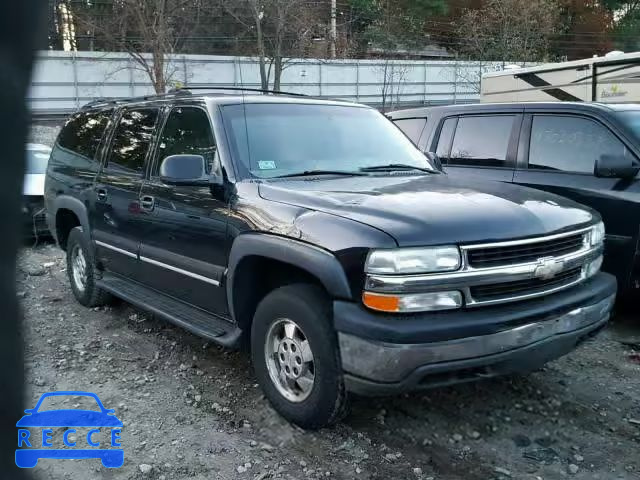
{"x": 64, "y": 81}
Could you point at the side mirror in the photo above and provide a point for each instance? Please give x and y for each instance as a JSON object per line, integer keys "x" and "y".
{"x": 185, "y": 170}
{"x": 435, "y": 160}
{"x": 615, "y": 166}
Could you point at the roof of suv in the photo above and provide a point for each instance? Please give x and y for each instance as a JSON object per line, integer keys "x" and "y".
{"x": 480, "y": 107}
{"x": 231, "y": 98}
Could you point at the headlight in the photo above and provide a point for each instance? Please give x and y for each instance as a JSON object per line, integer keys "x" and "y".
{"x": 597, "y": 234}
{"x": 593, "y": 267}
{"x": 413, "y": 260}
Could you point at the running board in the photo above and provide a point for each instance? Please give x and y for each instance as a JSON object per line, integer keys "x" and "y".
{"x": 190, "y": 318}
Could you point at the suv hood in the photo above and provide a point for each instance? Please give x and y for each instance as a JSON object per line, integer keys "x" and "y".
{"x": 434, "y": 209}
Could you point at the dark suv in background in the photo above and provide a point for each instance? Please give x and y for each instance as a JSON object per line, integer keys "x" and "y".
{"x": 588, "y": 152}
{"x": 315, "y": 233}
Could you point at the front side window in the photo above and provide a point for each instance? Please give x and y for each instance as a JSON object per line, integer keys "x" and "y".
{"x": 412, "y": 127}
{"x": 446, "y": 135}
{"x": 482, "y": 141}
{"x": 631, "y": 120}
{"x": 187, "y": 131}
{"x": 271, "y": 140}
{"x": 131, "y": 140}
{"x": 570, "y": 144}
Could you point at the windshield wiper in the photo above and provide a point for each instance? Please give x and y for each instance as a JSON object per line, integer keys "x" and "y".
{"x": 308, "y": 173}
{"x": 396, "y": 166}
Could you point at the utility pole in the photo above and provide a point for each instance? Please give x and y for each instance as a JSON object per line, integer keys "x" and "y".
{"x": 334, "y": 29}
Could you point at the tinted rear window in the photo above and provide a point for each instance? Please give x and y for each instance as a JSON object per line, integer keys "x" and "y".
{"x": 83, "y": 132}
{"x": 132, "y": 139}
{"x": 78, "y": 142}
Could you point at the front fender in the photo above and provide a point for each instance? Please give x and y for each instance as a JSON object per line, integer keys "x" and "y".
{"x": 318, "y": 262}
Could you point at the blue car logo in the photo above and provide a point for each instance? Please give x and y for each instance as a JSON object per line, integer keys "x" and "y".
{"x": 32, "y": 447}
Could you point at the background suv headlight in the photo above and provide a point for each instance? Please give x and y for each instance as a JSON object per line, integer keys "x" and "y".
{"x": 413, "y": 260}
{"x": 597, "y": 234}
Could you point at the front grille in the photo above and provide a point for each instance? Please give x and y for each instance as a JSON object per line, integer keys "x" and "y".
{"x": 499, "y": 256}
{"x": 499, "y": 291}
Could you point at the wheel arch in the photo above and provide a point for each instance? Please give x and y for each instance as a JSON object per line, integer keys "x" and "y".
{"x": 282, "y": 258}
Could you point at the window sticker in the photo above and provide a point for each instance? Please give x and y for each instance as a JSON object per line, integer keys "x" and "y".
{"x": 267, "y": 165}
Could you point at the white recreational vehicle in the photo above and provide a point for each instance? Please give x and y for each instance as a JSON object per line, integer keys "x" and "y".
{"x": 614, "y": 78}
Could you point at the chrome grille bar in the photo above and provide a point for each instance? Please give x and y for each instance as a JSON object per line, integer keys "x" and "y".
{"x": 502, "y": 275}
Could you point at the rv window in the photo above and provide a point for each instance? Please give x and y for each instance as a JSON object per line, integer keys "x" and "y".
{"x": 412, "y": 127}
{"x": 570, "y": 144}
{"x": 482, "y": 141}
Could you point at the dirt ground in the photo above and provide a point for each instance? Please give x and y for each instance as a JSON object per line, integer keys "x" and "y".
{"x": 193, "y": 410}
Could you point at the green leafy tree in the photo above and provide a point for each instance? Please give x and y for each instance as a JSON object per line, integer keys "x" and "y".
{"x": 625, "y": 23}
{"x": 509, "y": 31}
{"x": 392, "y": 26}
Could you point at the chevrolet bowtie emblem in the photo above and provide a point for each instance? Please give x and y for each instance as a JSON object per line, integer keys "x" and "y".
{"x": 548, "y": 268}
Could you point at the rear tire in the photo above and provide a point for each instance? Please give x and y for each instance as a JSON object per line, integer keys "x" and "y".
{"x": 82, "y": 271}
{"x": 295, "y": 356}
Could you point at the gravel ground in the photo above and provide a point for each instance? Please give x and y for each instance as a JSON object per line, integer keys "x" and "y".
{"x": 193, "y": 410}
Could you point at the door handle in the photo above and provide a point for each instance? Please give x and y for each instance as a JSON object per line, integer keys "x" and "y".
{"x": 147, "y": 202}
{"x": 101, "y": 194}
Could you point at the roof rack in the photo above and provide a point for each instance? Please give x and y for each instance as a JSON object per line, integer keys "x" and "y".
{"x": 181, "y": 91}
{"x": 239, "y": 89}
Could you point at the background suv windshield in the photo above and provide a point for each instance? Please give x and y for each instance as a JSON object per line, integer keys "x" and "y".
{"x": 271, "y": 140}
{"x": 37, "y": 161}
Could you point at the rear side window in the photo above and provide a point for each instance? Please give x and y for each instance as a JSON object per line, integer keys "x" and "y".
{"x": 482, "y": 141}
{"x": 571, "y": 144}
{"x": 412, "y": 127}
{"x": 131, "y": 140}
{"x": 78, "y": 142}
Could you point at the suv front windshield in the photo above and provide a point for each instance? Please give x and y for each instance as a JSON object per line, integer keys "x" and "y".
{"x": 274, "y": 140}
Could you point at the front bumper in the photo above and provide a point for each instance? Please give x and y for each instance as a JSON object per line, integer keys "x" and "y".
{"x": 377, "y": 366}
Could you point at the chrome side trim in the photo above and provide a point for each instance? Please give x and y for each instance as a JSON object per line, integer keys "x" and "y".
{"x": 181, "y": 271}
{"x": 116, "y": 249}
{"x": 385, "y": 362}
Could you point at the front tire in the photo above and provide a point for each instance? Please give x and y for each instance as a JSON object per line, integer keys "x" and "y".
{"x": 295, "y": 356}
{"x": 82, "y": 271}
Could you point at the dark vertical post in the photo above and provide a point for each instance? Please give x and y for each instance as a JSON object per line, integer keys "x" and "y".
{"x": 22, "y": 31}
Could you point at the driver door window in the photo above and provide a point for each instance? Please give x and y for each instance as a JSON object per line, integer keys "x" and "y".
{"x": 187, "y": 131}
{"x": 570, "y": 144}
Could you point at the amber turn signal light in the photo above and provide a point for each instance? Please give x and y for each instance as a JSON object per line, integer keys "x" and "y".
{"x": 382, "y": 303}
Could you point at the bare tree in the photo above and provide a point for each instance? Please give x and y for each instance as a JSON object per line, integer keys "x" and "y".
{"x": 282, "y": 29}
{"x": 393, "y": 76}
{"x": 150, "y": 31}
{"x": 509, "y": 31}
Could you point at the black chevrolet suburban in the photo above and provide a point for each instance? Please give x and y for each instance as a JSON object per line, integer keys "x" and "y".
{"x": 588, "y": 152}
{"x": 316, "y": 234}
